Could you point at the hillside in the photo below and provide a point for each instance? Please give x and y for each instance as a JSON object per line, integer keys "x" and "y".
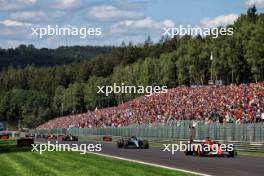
{"x": 29, "y": 55}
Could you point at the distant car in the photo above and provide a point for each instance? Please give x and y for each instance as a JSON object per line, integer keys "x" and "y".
{"x": 43, "y": 136}
{"x": 25, "y": 142}
{"x": 209, "y": 147}
{"x": 30, "y": 135}
{"x": 132, "y": 142}
{"x": 69, "y": 138}
{"x": 4, "y": 136}
{"x": 52, "y": 136}
{"x": 107, "y": 138}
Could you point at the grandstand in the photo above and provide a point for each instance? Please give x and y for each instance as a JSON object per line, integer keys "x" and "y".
{"x": 239, "y": 104}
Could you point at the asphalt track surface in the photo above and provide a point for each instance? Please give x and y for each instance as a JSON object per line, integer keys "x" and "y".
{"x": 224, "y": 166}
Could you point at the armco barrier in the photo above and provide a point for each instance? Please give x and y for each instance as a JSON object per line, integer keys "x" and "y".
{"x": 247, "y": 136}
{"x": 239, "y": 145}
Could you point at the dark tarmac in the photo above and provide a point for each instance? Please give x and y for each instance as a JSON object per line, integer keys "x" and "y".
{"x": 237, "y": 166}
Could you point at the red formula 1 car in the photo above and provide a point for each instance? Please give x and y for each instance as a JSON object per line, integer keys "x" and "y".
{"x": 107, "y": 138}
{"x": 209, "y": 147}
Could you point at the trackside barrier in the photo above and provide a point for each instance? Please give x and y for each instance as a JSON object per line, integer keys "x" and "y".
{"x": 247, "y": 136}
{"x": 239, "y": 145}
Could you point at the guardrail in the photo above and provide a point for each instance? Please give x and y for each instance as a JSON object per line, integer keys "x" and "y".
{"x": 177, "y": 130}
{"x": 239, "y": 145}
{"x": 244, "y": 136}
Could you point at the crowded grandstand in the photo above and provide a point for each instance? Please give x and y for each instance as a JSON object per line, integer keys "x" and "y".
{"x": 222, "y": 104}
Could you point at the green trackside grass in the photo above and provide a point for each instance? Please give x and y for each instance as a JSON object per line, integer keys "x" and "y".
{"x": 22, "y": 162}
{"x": 251, "y": 153}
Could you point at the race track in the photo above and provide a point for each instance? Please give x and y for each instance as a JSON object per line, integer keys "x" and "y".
{"x": 237, "y": 166}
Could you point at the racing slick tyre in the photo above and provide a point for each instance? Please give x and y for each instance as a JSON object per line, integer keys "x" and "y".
{"x": 120, "y": 143}
{"x": 231, "y": 154}
{"x": 187, "y": 151}
{"x": 199, "y": 151}
{"x": 145, "y": 144}
{"x": 126, "y": 144}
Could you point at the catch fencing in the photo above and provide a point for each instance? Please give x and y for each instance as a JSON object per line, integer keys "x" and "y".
{"x": 175, "y": 130}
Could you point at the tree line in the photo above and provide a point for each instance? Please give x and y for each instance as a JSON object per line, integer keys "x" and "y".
{"x": 24, "y": 55}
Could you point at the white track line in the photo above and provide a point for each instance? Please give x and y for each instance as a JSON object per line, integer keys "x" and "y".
{"x": 146, "y": 163}
{"x": 150, "y": 164}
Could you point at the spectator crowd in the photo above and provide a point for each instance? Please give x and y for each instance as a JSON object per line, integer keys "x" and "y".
{"x": 242, "y": 103}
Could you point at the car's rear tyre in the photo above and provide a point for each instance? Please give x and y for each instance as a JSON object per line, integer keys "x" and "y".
{"x": 145, "y": 144}
{"x": 198, "y": 152}
{"x": 231, "y": 154}
{"x": 187, "y": 152}
{"x": 120, "y": 143}
{"x": 126, "y": 145}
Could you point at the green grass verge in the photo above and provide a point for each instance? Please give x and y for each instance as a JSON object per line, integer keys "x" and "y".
{"x": 21, "y": 161}
{"x": 251, "y": 153}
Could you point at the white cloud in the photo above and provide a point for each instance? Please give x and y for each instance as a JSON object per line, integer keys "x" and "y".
{"x": 146, "y": 23}
{"x": 13, "y": 23}
{"x": 66, "y": 4}
{"x": 15, "y": 4}
{"x": 27, "y": 1}
{"x": 14, "y": 43}
{"x": 109, "y": 12}
{"x": 127, "y": 4}
{"x": 27, "y": 15}
{"x": 168, "y": 23}
{"x": 222, "y": 20}
{"x": 258, "y": 3}
{"x": 36, "y": 16}
{"x": 11, "y": 30}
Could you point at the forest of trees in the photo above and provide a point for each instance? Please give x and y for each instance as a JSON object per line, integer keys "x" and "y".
{"x": 24, "y": 55}
{"x": 36, "y": 94}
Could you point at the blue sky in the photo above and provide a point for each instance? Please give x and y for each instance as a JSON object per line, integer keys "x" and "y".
{"x": 192, "y": 11}
{"x": 120, "y": 20}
